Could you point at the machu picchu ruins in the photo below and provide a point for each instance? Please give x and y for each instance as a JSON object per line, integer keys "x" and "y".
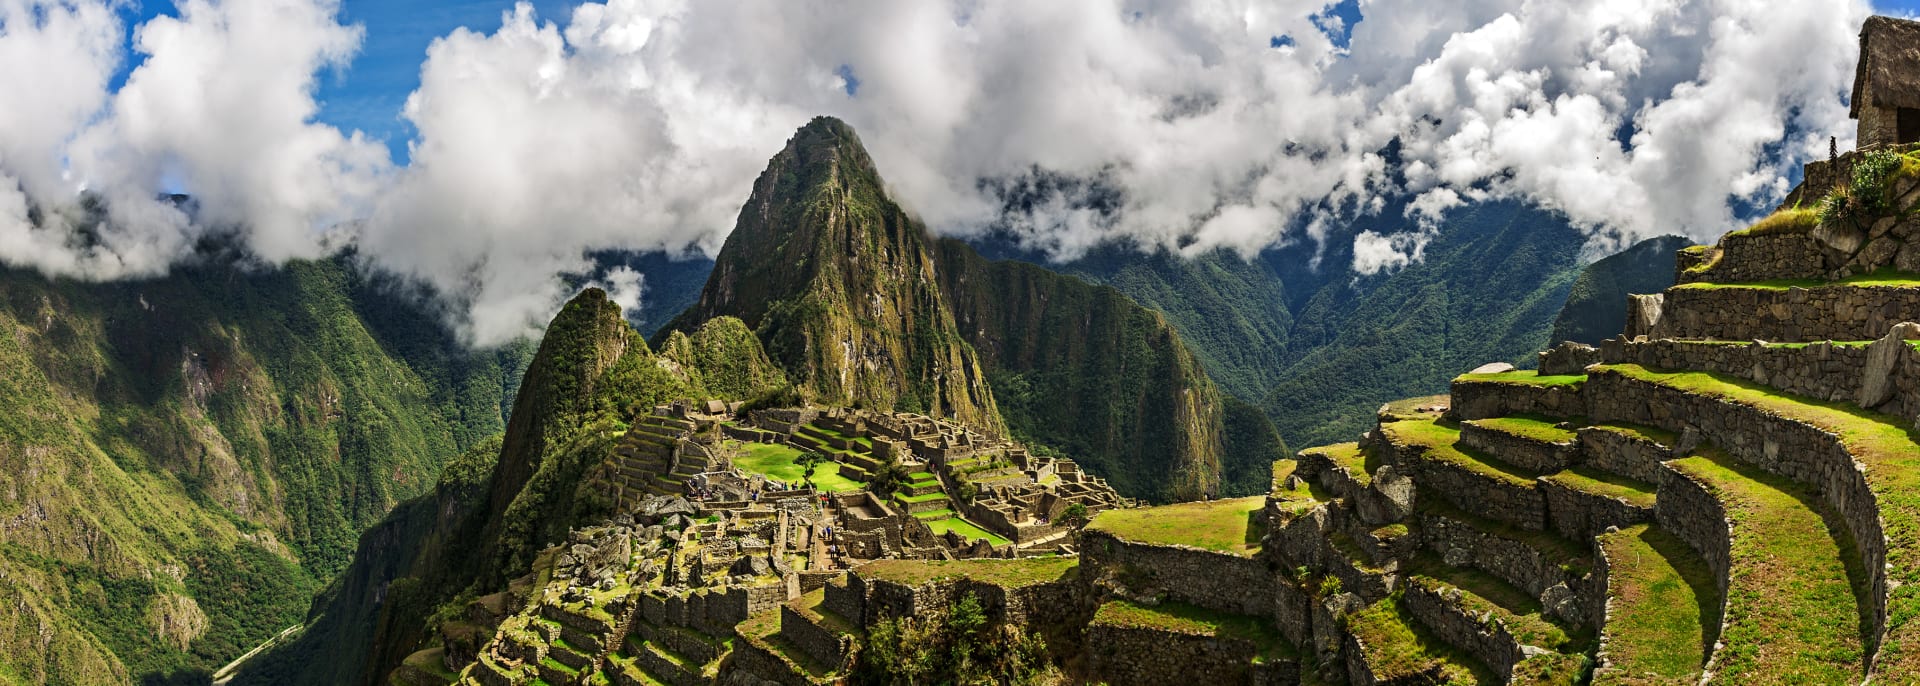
{"x": 1723, "y": 493}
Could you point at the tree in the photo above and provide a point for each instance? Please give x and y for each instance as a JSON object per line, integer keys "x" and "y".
{"x": 1074, "y": 515}
{"x": 809, "y": 461}
{"x": 889, "y": 477}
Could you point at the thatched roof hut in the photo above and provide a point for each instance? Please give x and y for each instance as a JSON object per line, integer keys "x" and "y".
{"x": 1886, "y": 82}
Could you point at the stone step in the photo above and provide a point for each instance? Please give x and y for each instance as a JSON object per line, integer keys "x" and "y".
{"x": 1535, "y": 444}
{"x": 1357, "y": 571}
{"x": 575, "y": 657}
{"x": 694, "y": 646}
{"x": 1478, "y": 396}
{"x": 1858, "y": 309}
{"x": 1582, "y": 503}
{"x": 1491, "y": 620}
{"x": 1662, "y": 609}
{"x": 623, "y": 671}
{"x": 1629, "y": 450}
{"x": 1532, "y": 561}
{"x": 1386, "y": 645}
{"x": 1470, "y": 480}
{"x": 670, "y": 667}
{"x": 1173, "y": 642}
{"x": 1789, "y": 606}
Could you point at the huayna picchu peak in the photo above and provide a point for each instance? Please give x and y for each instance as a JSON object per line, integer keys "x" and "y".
{"x": 1599, "y": 359}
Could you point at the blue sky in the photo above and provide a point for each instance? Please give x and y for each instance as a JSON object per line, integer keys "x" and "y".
{"x": 368, "y": 95}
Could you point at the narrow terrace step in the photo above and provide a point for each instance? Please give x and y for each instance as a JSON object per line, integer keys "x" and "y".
{"x": 1791, "y": 616}
{"x": 1630, "y": 450}
{"x": 1582, "y": 503}
{"x": 1663, "y": 609}
{"x": 671, "y": 667}
{"x": 1861, "y": 308}
{"x": 1492, "y": 620}
{"x": 1535, "y": 444}
{"x": 1472, "y": 481}
{"x": 622, "y": 670}
{"x": 1391, "y": 647}
{"x": 1194, "y": 645}
{"x": 1357, "y": 571}
{"x": 1532, "y": 561}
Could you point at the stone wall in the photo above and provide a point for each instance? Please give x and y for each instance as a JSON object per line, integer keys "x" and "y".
{"x": 1748, "y": 257}
{"x": 1580, "y": 516}
{"x": 1619, "y": 453}
{"x": 847, "y": 600}
{"x": 1781, "y": 446}
{"x": 827, "y": 647}
{"x": 1515, "y": 562}
{"x": 1487, "y": 496}
{"x": 1491, "y": 644}
{"x": 1792, "y": 315}
{"x": 754, "y": 664}
{"x": 1520, "y": 451}
{"x": 709, "y": 611}
{"x": 1483, "y": 399}
{"x": 1822, "y": 371}
{"x": 1213, "y": 580}
{"x": 1124, "y": 656}
{"x": 1568, "y": 358}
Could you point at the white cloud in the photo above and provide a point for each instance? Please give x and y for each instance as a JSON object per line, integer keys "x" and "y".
{"x": 641, "y": 124}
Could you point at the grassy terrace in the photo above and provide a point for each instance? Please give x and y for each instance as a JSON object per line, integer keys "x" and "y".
{"x": 1566, "y": 553}
{"x": 1229, "y": 526}
{"x": 1524, "y": 377}
{"x": 1182, "y": 618}
{"x": 1791, "y": 613}
{"x": 780, "y": 462}
{"x": 1484, "y": 593}
{"x": 1646, "y": 433}
{"x": 1527, "y": 426}
{"x": 1879, "y": 279}
{"x": 1358, "y": 462}
{"x": 1026, "y": 571}
{"x": 1666, "y": 609}
{"x": 1437, "y": 442}
{"x": 1891, "y": 454}
{"x": 965, "y": 528}
{"x": 1398, "y": 649}
{"x": 1600, "y": 483}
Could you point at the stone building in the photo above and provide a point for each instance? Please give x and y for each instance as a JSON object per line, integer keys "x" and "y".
{"x": 1886, "y": 82}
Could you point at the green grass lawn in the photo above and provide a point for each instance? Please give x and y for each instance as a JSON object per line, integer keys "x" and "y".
{"x": 777, "y": 462}
{"x": 1536, "y": 428}
{"x": 1587, "y": 480}
{"x": 1196, "y": 621}
{"x": 1438, "y": 442}
{"x": 1891, "y": 453}
{"x": 1665, "y": 606}
{"x": 1225, "y": 525}
{"x": 1879, "y": 279}
{"x": 964, "y": 528}
{"x": 1525, "y": 377}
{"x": 1791, "y": 613}
{"x": 1026, "y": 571}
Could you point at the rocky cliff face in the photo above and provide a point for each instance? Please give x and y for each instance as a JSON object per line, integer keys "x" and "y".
{"x": 840, "y": 284}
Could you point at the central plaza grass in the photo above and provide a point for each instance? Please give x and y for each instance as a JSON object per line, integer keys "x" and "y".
{"x": 964, "y": 528}
{"x": 1231, "y": 526}
{"x": 1791, "y": 615}
{"x": 1026, "y": 571}
{"x": 779, "y": 462}
{"x": 1665, "y": 608}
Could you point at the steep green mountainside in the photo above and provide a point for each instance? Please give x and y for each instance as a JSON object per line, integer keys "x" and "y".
{"x": 868, "y": 329}
{"x": 183, "y": 459}
{"x": 1296, "y": 332}
{"x": 861, "y": 306}
{"x": 499, "y": 504}
{"x": 1597, "y": 306}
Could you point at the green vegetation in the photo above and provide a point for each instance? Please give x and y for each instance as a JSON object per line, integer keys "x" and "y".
{"x": 1587, "y": 480}
{"x": 1868, "y": 194}
{"x": 1525, "y": 377}
{"x": 1398, "y": 648}
{"x": 1482, "y": 593}
{"x": 1439, "y": 442}
{"x": 1568, "y": 555}
{"x": 1231, "y": 526}
{"x": 1791, "y": 613}
{"x": 1885, "y": 278}
{"x": 960, "y": 648}
{"x": 1020, "y": 573}
{"x": 1665, "y": 606}
{"x": 1350, "y": 456}
{"x": 783, "y": 464}
{"x": 1785, "y": 221}
{"x": 965, "y": 528}
{"x": 1181, "y": 618}
{"x": 1531, "y": 427}
{"x": 1593, "y": 311}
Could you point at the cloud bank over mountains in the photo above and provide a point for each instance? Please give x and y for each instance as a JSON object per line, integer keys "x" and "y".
{"x": 641, "y": 125}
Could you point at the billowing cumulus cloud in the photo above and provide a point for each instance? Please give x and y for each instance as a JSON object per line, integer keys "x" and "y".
{"x": 641, "y": 125}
